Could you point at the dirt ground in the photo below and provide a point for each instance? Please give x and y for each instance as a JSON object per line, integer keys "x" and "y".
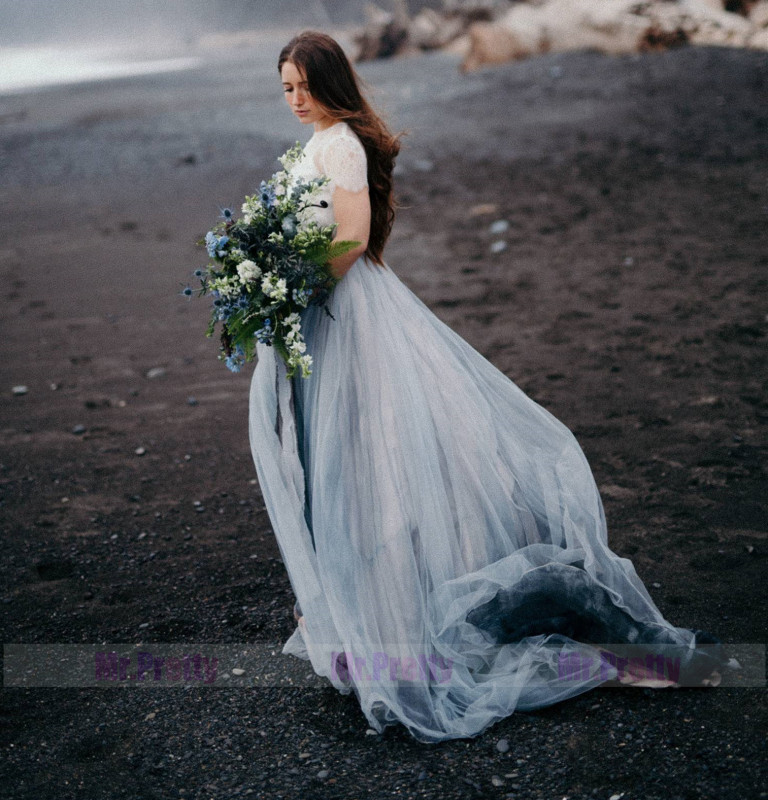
{"x": 629, "y": 300}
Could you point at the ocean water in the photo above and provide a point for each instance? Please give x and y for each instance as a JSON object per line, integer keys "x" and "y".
{"x": 26, "y": 68}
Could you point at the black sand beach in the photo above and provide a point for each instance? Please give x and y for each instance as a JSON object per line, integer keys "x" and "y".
{"x": 629, "y": 300}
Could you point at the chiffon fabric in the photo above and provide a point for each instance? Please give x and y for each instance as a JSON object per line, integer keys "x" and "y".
{"x": 439, "y": 528}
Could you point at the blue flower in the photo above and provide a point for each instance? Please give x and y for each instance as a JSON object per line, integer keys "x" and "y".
{"x": 198, "y": 273}
{"x": 226, "y": 214}
{"x": 267, "y": 194}
{"x": 301, "y": 296}
{"x": 215, "y": 244}
{"x": 233, "y": 362}
{"x": 222, "y": 241}
{"x": 187, "y": 291}
{"x": 265, "y": 334}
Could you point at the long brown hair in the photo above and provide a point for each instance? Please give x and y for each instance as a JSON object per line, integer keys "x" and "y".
{"x": 335, "y": 85}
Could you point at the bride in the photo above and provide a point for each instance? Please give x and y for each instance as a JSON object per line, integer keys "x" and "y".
{"x": 442, "y": 532}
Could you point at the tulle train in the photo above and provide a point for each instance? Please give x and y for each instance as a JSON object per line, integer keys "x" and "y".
{"x": 440, "y": 528}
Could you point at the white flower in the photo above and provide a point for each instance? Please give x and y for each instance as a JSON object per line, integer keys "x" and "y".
{"x": 248, "y": 271}
{"x": 281, "y": 178}
{"x": 274, "y": 287}
{"x": 307, "y": 216}
{"x": 302, "y": 362}
{"x": 293, "y": 319}
{"x": 251, "y": 208}
{"x": 225, "y": 286}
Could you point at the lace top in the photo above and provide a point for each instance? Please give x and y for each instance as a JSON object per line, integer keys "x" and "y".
{"x": 337, "y": 153}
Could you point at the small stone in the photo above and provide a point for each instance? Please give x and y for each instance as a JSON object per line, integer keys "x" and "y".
{"x": 656, "y": 585}
{"x": 237, "y": 671}
{"x": 156, "y": 372}
{"x": 496, "y": 780}
{"x": 304, "y": 755}
{"x": 499, "y": 226}
{"x": 140, "y": 451}
{"x": 498, "y": 246}
{"x": 20, "y": 389}
{"x": 191, "y": 401}
{"x": 141, "y": 535}
{"x": 78, "y": 429}
{"x": 482, "y": 208}
{"x": 423, "y": 165}
{"x": 371, "y": 732}
{"x": 144, "y": 625}
{"x": 323, "y": 774}
{"x": 629, "y": 261}
{"x": 749, "y": 548}
{"x": 54, "y": 386}
{"x": 502, "y": 745}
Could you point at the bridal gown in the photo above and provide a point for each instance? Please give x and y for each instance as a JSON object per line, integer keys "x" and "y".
{"x": 439, "y": 528}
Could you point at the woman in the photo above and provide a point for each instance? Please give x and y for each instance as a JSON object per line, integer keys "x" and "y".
{"x": 442, "y": 532}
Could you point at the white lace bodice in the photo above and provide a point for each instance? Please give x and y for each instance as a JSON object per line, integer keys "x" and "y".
{"x": 337, "y": 153}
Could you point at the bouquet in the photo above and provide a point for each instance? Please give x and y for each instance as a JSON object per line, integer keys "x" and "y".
{"x": 267, "y": 266}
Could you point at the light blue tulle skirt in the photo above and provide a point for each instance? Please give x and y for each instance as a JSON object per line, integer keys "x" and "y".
{"x": 442, "y": 532}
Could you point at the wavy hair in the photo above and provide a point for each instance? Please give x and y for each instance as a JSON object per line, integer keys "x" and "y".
{"x": 335, "y": 85}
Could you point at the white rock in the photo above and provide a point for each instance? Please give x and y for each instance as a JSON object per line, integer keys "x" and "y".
{"x": 237, "y": 671}
{"x": 758, "y": 40}
{"x": 758, "y": 14}
{"x": 20, "y": 389}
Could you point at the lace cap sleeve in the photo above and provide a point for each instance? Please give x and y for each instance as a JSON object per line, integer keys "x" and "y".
{"x": 345, "y": 163}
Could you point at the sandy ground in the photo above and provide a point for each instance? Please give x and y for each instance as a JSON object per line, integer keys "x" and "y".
{"x": 630, "y": 301}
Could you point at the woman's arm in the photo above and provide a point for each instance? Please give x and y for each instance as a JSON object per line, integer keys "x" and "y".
{"x": 352, "y": 212}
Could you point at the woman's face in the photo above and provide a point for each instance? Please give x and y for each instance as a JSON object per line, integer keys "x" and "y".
{"x": 300, "y": 100}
